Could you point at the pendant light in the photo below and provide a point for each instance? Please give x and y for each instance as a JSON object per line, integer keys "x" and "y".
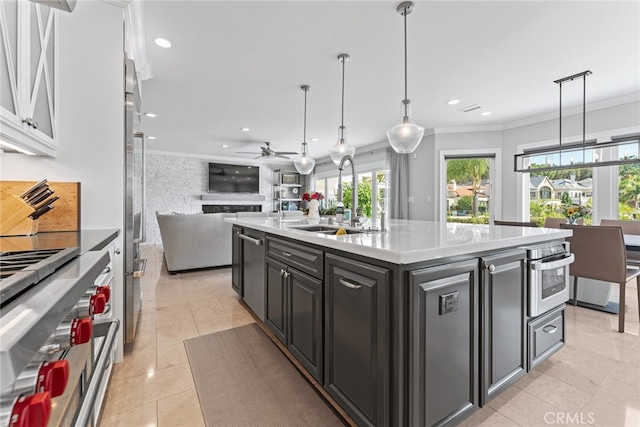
{"x": 341, "y": 148}
{"x": 585, "y": 153}
{"x": 304, "y": 164}
{"x": 406, "y": 135}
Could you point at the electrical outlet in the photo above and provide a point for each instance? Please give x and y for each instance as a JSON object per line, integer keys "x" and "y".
{"x": 449, "y": 302}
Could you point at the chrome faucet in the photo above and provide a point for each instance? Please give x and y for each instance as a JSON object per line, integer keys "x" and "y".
{"x": 354, "y": 188}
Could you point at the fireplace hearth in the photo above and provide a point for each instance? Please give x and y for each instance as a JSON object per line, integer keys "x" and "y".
{"x": 231, "y": 208}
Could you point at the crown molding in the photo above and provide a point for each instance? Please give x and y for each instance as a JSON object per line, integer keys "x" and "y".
{"x": 598, "y": 105}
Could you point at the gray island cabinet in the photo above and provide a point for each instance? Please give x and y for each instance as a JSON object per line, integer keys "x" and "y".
{"x": 419, "y": 326}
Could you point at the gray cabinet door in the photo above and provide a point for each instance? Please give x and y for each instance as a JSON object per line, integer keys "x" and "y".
{"x": 236, "y": 260}
{"x": 276, "y": 315}
{"x": 443, "y": 343}
{"x": 305, "y": 321}
{"x": 356, "y": 338}
{"x": 504, "y": 322}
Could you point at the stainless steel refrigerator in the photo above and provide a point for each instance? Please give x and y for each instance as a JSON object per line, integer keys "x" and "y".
{"x": 134, "y": 214}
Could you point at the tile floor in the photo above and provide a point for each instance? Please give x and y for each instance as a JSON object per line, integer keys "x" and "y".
{"x": 593, "y": 380}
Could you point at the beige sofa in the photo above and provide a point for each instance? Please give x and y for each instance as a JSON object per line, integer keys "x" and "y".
{"x": 195, "y": 241}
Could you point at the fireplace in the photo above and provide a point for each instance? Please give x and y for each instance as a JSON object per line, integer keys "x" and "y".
{"x": 231, "y": 208}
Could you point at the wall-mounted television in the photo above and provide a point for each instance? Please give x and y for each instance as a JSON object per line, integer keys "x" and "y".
{"x": 225, "y": 178}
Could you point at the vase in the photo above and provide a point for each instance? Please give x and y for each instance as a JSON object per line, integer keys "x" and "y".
{"x": 572, "y": 221}
{"x": 313, "y": 209}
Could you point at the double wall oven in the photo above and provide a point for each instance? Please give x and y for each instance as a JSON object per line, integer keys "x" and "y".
{"x": 57, "y": 336}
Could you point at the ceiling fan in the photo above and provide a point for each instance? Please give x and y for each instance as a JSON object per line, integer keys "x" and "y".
{"x": 267, "y": 151}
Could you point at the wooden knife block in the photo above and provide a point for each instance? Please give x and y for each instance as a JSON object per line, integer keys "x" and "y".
{"x": 14, "y": 218}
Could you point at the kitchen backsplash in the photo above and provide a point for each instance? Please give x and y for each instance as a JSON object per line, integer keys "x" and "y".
{"x": 176, "y": 184}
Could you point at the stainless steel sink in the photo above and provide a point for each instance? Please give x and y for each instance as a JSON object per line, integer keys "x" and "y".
{"x": 324, "y": 229}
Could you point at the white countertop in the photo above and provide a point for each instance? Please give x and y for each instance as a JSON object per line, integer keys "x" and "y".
{"x": 407, "y": 242}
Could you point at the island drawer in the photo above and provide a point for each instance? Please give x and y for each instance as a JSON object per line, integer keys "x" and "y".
{"x": 546, "y": 335}
{"x": 303, "y": 258}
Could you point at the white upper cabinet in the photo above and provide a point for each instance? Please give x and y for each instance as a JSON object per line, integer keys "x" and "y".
{"x": 28, "y": 65}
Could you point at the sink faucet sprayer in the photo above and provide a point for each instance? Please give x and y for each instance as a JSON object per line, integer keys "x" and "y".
{"x": 355, "y": 220}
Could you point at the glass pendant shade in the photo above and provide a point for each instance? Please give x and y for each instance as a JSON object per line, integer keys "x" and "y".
{"x": 304, "y": 164}
{"x": 405, "y": 136}
{"x": 341, "y": 148}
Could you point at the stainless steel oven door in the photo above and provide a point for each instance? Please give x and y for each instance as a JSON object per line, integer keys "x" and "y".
{"x": 548, "y": 284}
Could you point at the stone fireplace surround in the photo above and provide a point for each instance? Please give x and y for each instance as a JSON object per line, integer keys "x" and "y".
{"x": 231, "y": 208}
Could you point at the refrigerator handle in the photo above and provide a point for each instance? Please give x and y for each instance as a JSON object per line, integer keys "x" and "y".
{"x": 143, "y": 214}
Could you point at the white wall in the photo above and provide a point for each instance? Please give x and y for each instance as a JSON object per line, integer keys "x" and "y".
{"x": 176, "y": 184}
{"x": 90, "y": 113}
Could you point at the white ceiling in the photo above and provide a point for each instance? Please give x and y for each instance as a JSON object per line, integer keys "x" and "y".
{"x": 240, "y": 64}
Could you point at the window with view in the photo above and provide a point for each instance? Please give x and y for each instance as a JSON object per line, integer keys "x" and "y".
{"x": 372, "y": 192}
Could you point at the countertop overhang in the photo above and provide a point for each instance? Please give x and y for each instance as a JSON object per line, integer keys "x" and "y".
{"x": 409, "y": 241}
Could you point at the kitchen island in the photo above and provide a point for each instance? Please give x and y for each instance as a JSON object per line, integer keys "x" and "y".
{"x": 418, "y": 325}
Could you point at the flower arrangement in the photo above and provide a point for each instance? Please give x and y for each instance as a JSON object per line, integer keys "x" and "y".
{"x": 573, "y": 212}
{"x": 312, "y": 195}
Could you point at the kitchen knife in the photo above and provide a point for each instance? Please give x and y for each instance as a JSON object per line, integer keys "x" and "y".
{"x": 37, "y": 214}
{"x": 33, "y": 189}
{"x": 46, "y": 202}
{"x": 36, "y": 194}
{"x": 41, "y": 197}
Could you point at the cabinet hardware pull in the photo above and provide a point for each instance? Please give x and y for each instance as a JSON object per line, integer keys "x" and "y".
{"x": 287, "y": 254}
{"x": 550, "y": 329}
{"x": 349, "y": 284}
{"x": 282, "y": 272}
{"x": 492, "y": 268}
{"x": 106, "y": 270}
{"x": 117, "y": 251}
{"x": 257, "y": 242}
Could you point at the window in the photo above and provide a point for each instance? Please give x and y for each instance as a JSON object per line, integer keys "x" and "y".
{"x": 629, "y": 192}
{"x": 372, "y": 192}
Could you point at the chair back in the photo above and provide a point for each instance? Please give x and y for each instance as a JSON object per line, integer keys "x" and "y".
{"x": 516, "y": 223}
{"x": 555, "y": 222}
{"x": 600, "y": 253}
{"x": 628, "y": 227}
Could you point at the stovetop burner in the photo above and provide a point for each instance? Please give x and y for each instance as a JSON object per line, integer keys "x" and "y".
{"x": 19, "y": 270}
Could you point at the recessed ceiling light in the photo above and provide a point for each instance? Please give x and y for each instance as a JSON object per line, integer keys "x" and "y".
{"x": 224, "y": 146}
{"x": 453, "y": 101}
{"x": 150, "y": 114}
{"x": 245, "y": 129}
{"x": 163, "y": 42}
{"x": 315, "y": 139}
{"x": 151, "y": 137}
{"x": 485, "y": 113}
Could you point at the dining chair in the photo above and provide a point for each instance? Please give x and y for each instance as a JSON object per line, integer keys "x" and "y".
{"x": 555, "y": 222}
{"x": 600, "y": 254}
{"x": 628, "y": 227}
{"x": 516, "y": 223}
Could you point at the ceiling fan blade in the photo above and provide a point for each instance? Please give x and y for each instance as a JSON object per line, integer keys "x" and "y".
{"x": 259, "y": 157}
{"x": 285, "y": 152}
